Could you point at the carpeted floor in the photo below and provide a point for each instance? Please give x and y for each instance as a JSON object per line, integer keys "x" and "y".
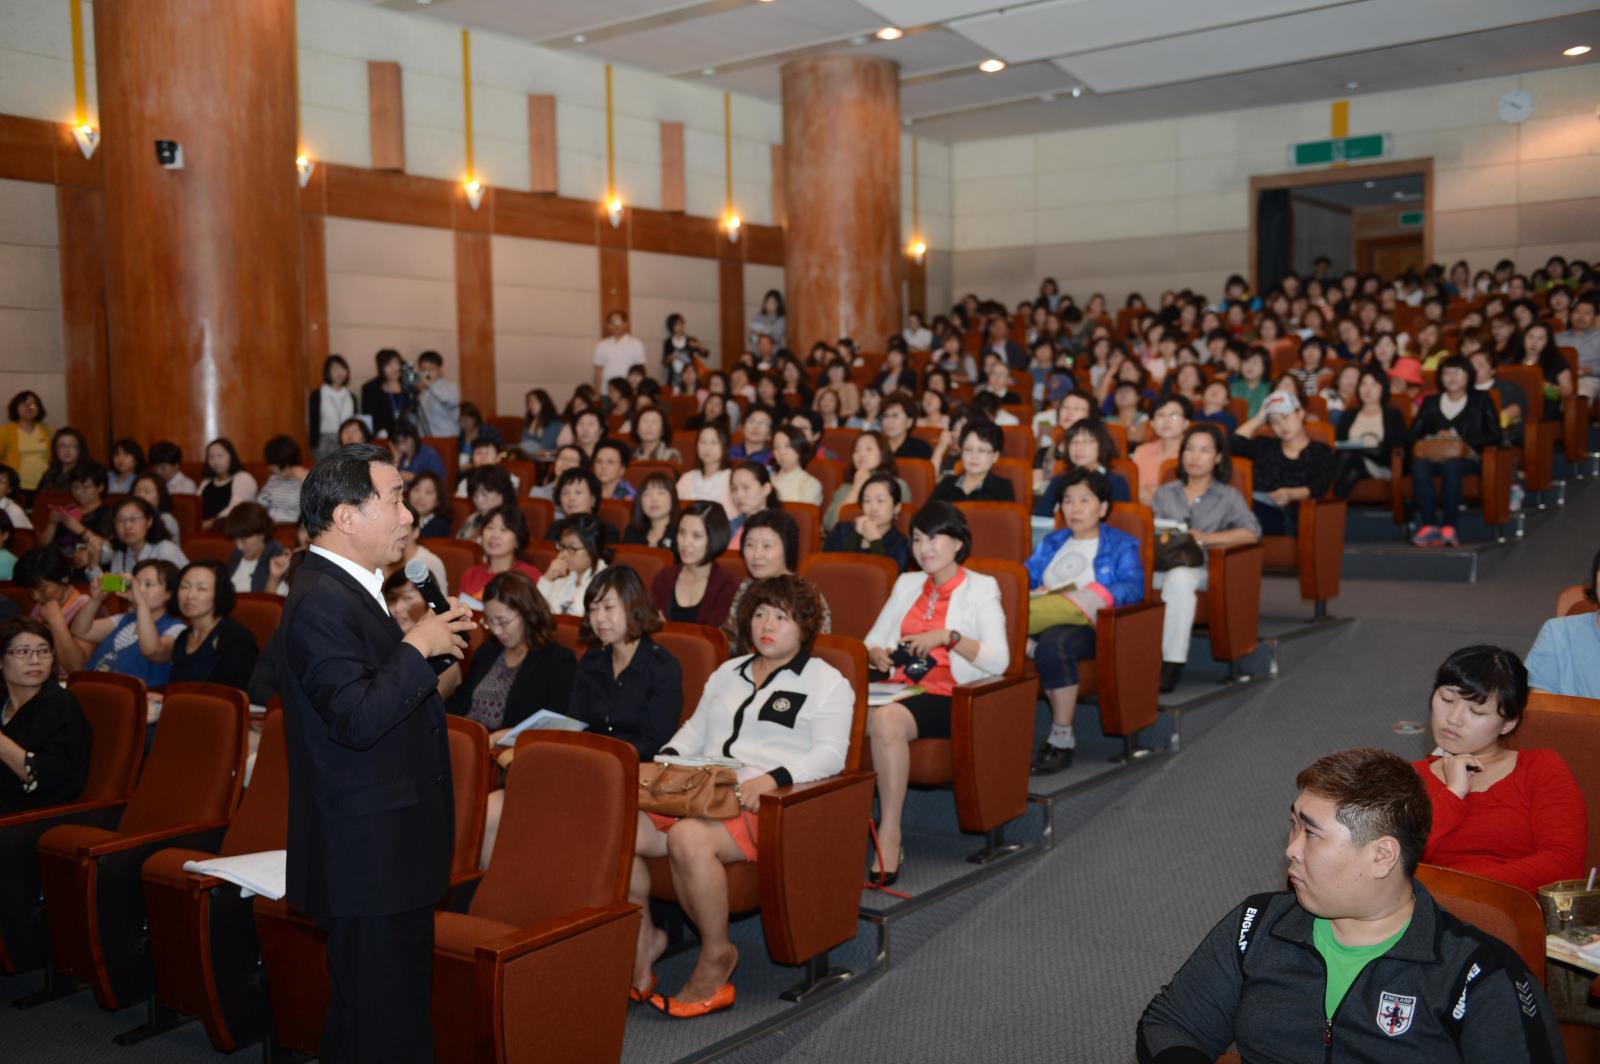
{"x": 1054, "y": 959}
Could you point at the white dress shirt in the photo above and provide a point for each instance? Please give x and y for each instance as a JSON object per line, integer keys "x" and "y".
{"x": 370, "y": 579}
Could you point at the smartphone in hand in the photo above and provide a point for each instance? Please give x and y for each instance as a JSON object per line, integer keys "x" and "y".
{"x": 114, "y": 583}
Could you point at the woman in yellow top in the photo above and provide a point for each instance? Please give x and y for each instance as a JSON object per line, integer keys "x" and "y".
{"x": 25, "y": 439}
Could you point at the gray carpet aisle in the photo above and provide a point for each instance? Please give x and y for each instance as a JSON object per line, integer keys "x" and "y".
{"x": 1057, "y": 964}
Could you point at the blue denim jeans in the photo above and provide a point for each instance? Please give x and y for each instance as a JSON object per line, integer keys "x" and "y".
{"x": 1057, "y": 652}
{"x": 1441, "y": 504}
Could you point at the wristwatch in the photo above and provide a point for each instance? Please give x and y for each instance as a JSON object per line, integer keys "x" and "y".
{"x": 953, "y": 641}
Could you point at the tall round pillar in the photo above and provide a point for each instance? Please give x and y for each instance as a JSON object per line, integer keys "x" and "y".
{"x": 203, "y": 266}
{"x": 841, "y": 180}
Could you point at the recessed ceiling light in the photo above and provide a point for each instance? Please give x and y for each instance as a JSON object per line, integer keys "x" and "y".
{"x": 1372, "y": 184}
{"x": 992, "y": 66}
{"x": 1577, "y": 49}
{"x": 579, "y": 39}
{"x": 708, "y": 71}
{"x": 1077, "y": 90}
{"x": 1352, "y": 84}
{"x": 890, "y": 33}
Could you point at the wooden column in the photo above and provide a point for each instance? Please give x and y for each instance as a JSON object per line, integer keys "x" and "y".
{"x": 314, "y": 253}
{"x": 730, "y": 300}
{"x": 777, "y": 185}
{"x": 386, "y": 112}
{"x": 672, "y": 167}
{"x": 475, "y": 319}
{"x": 80, "y": 224}
{"x": 542, "y": 143}
{"x": 842, "y": 241}
{"x": 614, "y": 266}
{"x": 203, "y": 272}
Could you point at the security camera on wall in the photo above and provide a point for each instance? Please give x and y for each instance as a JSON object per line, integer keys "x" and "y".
{"x": 169, "y": 154}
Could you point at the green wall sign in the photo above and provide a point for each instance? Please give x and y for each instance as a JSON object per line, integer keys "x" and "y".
{"x": 1410, "y": 219}
{"x": 1339, "y": 150}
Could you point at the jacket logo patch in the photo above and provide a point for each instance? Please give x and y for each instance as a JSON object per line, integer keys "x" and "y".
{"x": 1461, "y": 1003}
{"x": 783, "y": 707}
{"x": 1244, "y": 928}
{"x": 1395, "y": 1012}
{"x": 1530, "y": 1007}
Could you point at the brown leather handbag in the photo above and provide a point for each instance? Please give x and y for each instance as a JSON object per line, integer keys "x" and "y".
{"x": 702, "y": 791}
{"x": 1440, "y": 449}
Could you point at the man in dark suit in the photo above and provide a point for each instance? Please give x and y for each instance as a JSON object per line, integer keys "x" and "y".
{"x": 371, "y": 815}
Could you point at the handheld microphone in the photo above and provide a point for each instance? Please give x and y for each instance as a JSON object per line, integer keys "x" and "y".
{"x": 421, "y": 578}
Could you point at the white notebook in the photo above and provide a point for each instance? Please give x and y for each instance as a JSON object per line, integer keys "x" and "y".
{"x": 544, "y": 718}
{"x": 255, "y": 873}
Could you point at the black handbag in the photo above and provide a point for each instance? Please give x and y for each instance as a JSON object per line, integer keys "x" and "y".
{"x": 1178, "y": 550}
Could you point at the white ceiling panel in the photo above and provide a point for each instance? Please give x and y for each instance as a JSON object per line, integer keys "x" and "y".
{"x": 918, "y": 53}
{"x": 1353, "y": 27}
{"x": 1063, "y": 27}
{"x": 977, "y": 88}
{"x": 543, "y": 19}
{"x": 758, "y": 29}
{"x": 926, "y": 12}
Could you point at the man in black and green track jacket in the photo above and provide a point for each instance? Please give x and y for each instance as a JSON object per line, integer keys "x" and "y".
{"x": 1357, "y": 962}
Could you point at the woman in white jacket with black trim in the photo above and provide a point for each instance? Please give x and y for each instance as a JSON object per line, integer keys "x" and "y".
{"x": 943, "y": 626}
{"x": 785, "y": 717}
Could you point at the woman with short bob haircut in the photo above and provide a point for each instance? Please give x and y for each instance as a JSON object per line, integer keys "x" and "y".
{"x": 45, "y": 741}
{"x": 695, "y": 589}
{"x": 213, "y": 648}
{"x": 943, "y": 625}
{"x": 785, "y": 716}
{"x": 1516, "y": 816}
{"x": 626, "y": 686}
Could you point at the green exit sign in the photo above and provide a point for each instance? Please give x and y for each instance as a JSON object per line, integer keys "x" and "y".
{"x": 1339, "y": 150}
{"x": 1410, "y": 219}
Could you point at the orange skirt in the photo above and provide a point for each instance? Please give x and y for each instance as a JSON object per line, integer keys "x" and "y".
{"x": 742, "y": 828}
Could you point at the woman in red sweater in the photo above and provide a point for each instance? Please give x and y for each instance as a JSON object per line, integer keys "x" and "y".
{"x": 1512, "y": 815}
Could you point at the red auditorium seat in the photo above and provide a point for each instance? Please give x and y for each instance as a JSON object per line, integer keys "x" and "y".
{"x": 855, "y": 585}
{"x": 646, "y": 561}
{"x": 457, "y": 555}
{"x": 185, "y": 797}
{"x": 259, "y": 611}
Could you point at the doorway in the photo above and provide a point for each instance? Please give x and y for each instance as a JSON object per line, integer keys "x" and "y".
{"x": 1372, "y": 219}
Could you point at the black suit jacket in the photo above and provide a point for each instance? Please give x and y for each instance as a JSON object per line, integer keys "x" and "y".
{"x": 371, "y": 812}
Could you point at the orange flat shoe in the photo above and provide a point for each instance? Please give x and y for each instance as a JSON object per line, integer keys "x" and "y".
{"x": 689, "y": 1010}
{"x": 641, "y": 996}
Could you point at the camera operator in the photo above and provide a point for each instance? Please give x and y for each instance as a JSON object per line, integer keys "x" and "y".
{"x": 438, "y": 400}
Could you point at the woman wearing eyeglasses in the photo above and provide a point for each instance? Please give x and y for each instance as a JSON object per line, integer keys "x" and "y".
{"x": 943, "y": 625}
{"x": 582, "y": 550}
{"x": 44, "y": 738}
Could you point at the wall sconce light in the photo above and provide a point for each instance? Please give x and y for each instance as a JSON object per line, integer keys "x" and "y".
{"x": 474, "y": 190}
{"x": 614, "y": 211}
{"x": 918, "y": 250}
{"x": 306, "y": 167}
{"x": 88, "y": 139}
{"x": 730, "y": 225}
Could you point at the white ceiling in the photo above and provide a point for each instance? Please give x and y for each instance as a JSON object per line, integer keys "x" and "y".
{"x": 1133, "y": 59}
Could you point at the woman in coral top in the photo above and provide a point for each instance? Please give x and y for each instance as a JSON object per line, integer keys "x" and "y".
{"x": 1512, "y": 815}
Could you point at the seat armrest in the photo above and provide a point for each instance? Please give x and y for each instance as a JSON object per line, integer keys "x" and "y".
{"x": 813, "y": 843}
{"x": 798, "y": 793}
{"x": 98, "y": 813}
{"x": 458, "y": 895}
{"x": 1319, "y": 547}
{"x": 1127, "y": 660}
{"x": 164, "y": 868}
{"x": 93, "y": 847}
{"x": 1495, "y": 485}
{"x": 1233, "y": 599}
{"x": 548, "y": 932}
{"x": 1397, "y": 485}
{"x": 991, "y": 743}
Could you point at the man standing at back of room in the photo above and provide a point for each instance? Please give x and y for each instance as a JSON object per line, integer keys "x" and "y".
{"x": 1356, "y": 961}
{"x": 371, "y": 814}
{"x": 616, "y": 351}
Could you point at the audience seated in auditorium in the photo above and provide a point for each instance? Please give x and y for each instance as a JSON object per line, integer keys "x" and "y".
{"x": 610, "y": 468}
{"x": 541, "y": 422}
{"x": 942, "y": 626}
{"x": 874, "y": 530}
{"x": 25, "y": 439}
{"x": 166, "y": 462}
{"x": 505, "y": 537}
{"x": 654, "y": 433}
{"x": 47, "y": 576}
{"x": 488, "y": 488}
{"x": 1254, "y": 382}
{"x": 753, "y": 492}
{"x": 412, "y": 457}
{"x": 1073, "y": 572}
{"x": 1583, "y": 335}
{"x": 427, "y": 498}
{"x": 981, "y": 445}
{"x": 583, "y": 549}
{"x": 1085, "y": 445}
{"x": 67, "y": 449}
{"x": 708, "y": 480}
{"x": 281, "y": 493}
{"x": 771, "y": 547}
{"x": 1379, "y": 428}
{"x": 520, "y": 669}
{"x": 897, "y": 420}
{"x": 11, "y": 496}
{"x": 79, "y": 532}
{"x": 1565, "y": 659}
{"x": 227, "y": 483}
{"x": 578, "y": 491}
{"x": 626, "y": 685}
{"x": 152, "y": 489}
{"x": 1539, "y": 349}
{"x": 258, "y": 562}
{"x": 139, "y": 535}
{"x": 791, "y": 452}
{"x": 484, "y": 453}
{"x": 868, "y": 414}
{"x": 1214, "y": 514}
{"x": 1450, "y": 432}
{"x": 654, "y": 520}
{"x": 757, "y": 443}
{"x": 354, "y": 430}
{"x": 1298, "y": 968}
{"x": 807, "y": 740}
{"x": 413, "y": 549}
{"x": 1169, "y": 419}
{"x": 138, "y": 641}
{"x": 44, "y": 738}
{"x": 695, "y": 589}
{"x": 1288, "y": 465}
{"x": 871, "y": 454}
{"x": 127, "y": 461}
{"x": 1512, "y": 815}
{"x": 213, "y": 647}
{"x": 567, "y": 456}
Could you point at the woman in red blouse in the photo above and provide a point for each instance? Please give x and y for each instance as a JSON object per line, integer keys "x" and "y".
{"x": 1512, "y": 815}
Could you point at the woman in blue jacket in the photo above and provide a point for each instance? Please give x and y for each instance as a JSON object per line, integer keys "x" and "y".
{"x": 1091, "y": 566}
